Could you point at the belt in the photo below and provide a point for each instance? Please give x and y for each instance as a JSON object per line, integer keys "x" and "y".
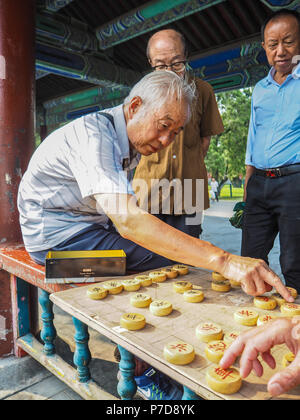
{"x": 278, "y": 172}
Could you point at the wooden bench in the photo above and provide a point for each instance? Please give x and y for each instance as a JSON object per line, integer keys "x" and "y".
{"x": 26, "y": 278}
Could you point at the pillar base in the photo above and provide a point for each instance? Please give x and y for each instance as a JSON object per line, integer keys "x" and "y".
{"x": 6, "y": 331}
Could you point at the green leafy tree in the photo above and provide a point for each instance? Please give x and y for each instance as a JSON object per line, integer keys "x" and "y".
{"x": 226, "y": 155}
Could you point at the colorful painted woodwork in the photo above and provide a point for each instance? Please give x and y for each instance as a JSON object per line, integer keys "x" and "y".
{"x": 150, "y": 16}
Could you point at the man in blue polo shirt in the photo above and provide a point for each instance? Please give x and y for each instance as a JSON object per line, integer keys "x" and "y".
{"x": 272, "y": 191}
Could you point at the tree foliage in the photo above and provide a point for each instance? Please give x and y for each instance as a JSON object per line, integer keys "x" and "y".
{"x": 226, "y": 155}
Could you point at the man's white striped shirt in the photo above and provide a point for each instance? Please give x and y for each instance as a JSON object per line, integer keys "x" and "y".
{"x": 77, "y": 161}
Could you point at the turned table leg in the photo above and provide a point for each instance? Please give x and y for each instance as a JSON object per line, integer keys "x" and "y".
{"x": 48, "y": 333}
{"x": 127, "y": 386}
{"x": 82, "y": 355}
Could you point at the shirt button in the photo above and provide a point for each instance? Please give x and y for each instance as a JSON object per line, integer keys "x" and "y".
{"x": 174, "y": 156}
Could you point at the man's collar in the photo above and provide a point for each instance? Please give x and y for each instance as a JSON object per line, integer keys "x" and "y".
{"x": 132, "y": 161}
{"x": 270, "y": 77}
{"x": 121, "y": 130}
{"x": 295, "y": 74}
{"x": 131, "y": 158}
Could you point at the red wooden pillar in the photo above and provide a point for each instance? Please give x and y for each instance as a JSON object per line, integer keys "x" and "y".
{"x": 17, "y": 110}
{"x": 43, "y": 132}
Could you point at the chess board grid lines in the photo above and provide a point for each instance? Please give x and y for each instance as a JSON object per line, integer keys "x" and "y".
{"x": 193, "y": 375}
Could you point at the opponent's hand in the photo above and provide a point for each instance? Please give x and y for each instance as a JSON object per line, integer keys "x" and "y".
{"x": 260, "y": 341}
{"x": 255, "y": 276}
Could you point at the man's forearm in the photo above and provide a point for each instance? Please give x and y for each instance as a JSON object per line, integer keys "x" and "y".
{"x": 150, "y": 232}
{"x": 179, "y": 246}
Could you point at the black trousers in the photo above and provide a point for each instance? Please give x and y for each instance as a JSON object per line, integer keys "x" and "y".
{"x": 272, "y": 207}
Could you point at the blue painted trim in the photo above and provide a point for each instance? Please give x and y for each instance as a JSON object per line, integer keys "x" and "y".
{"x": 190, "y": 395}
{"x": 127, "y": 385}
{"x": 80, "y": 112}
{"x": 82, "y": 355}
{"x": 59, "y": 57}
{"x": 216, "y": 58}
{"x": 48, "y": 333}
{"x": 23, "y": 303}
{"x": 53, "y": 70}
{"x": 281, "y": 3}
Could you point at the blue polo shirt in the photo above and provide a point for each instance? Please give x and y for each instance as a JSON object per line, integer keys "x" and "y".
{"x": 274, "y": 132}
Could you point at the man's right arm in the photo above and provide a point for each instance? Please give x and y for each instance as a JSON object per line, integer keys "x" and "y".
{"x": 151, "y": 233}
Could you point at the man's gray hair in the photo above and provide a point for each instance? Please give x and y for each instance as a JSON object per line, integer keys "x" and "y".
{"x": 159, "y": 87}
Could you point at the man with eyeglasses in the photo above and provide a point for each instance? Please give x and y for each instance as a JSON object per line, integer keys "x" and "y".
{"x": 182, "y": 163}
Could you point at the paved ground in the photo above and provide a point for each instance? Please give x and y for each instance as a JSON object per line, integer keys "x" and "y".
{"x": 25, "y": 379}
{"x": 218, "y": 230}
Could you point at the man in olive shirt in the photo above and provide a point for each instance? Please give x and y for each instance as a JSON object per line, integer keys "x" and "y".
{"x": 183, "y": 161}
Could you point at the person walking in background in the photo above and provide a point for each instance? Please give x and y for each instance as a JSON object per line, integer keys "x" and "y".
{"x": 215, "y": 188}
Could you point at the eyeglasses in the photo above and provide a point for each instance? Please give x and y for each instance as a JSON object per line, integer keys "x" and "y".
{"x": 177, "y": 67}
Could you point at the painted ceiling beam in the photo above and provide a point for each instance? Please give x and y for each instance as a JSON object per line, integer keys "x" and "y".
{"x": 54, "y": 5}
{"x": 63, "y": 109}
{"x": 279, "y": 4}
{"x": 230, "y": 67}
{"x": 39, "y": 74}
{"x": 83, "y": 67}
{"x": 242, "y": 78}
{"x": 86, "y": 97}
{"x": 236, "y": 67}
{"x": 57, "y": 118}
{"x": 250, "y": 40}
{"x": 230, "y": 60}
{"x": 67, "y": 32}
{"x": 148, "y": 17}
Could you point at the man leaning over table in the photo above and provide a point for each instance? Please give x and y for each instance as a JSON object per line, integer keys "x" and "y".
{"x": 76, "y": 188}
{"x": 272, "y": 188}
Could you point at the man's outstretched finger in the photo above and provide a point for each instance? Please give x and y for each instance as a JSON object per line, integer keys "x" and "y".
{"x": 272, "y": 279}
{"x": 231, "y": 354}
